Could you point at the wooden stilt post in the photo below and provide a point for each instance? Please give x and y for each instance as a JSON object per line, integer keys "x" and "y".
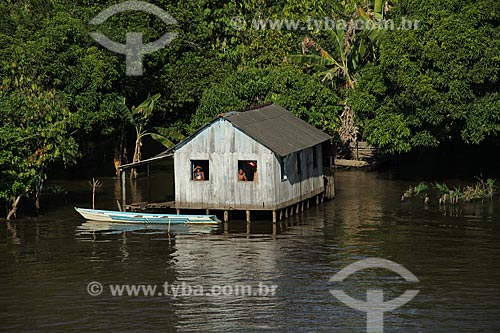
{"x": 124, "y": 189}
{"x": 297, "y": 209}
{"x": 286, "y": 212}
{"x": 248, "y": 229}
{"x": 207, "y": 211}
{"x": 248, "y": 216}
{"x": 322, "y": 197}
{"x": 302, "y": 206}
{"x": 119, "y": 205}
{"x": 149, "y": 184}
{"x": 274, "y": 231}
{"x": 178, "y": 211}
{"x": 307, "y": 204}
{"x": 330, "y": 187}
{"x": 226, "y": 216}
{"x": 317, "y": 200}
{"x": 291, "y": 210}
{"x": 274, "y": 216}
{"x": 281, "y": 214}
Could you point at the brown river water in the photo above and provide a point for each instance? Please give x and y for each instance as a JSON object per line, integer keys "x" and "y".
{"x": 49, "y": 266}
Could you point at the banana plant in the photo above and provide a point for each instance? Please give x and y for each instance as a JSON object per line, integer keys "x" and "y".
{"x": 342, "y": 66}
{"x": 139, "y": 117}
{"x": 329, "y": 67}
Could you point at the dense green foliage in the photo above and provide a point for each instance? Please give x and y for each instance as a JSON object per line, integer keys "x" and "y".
{"x": 34, "y": 133}
{"x": 62, "y": 93}
{"x": 435, "y": 84}
{"x": 300, "y": 93}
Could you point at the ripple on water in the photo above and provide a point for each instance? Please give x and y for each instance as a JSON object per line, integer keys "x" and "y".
{"x": 47, "y": 263}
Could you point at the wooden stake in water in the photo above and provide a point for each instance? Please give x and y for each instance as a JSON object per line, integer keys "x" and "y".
{"x": 168, "y": 232}
{"x": 95, "y": 183}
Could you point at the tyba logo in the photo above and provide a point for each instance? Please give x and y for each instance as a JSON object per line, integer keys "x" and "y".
{"x": 374, "y": 305}
{"x": 133, "y": 49}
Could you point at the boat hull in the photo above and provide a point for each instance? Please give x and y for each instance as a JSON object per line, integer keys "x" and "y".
{"x": 145, "y": 218}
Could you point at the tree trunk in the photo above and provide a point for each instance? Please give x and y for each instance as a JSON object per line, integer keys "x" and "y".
{"x": 38, "y": 195}
{"x": 93, "y": 197}
{"x": 116, "y": 161}
{"x": 348, "y": 131}
{"x": 120, "y": 157}
{"x": 13, "y": 210}
{"x": 137, "y": 158}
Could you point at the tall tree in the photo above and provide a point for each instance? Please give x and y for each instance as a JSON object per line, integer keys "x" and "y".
{"x": 438, "y": 83}
{"x": 35, "y": 126}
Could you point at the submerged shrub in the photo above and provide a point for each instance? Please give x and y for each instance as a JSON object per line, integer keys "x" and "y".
{"x": 482, "y": 189}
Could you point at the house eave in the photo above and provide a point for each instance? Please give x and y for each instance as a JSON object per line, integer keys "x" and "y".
{"x": 145, "y": 162}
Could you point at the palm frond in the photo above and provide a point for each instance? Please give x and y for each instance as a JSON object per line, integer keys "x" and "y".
{"x": 164, "y": 134}
{"x": 146, "y": 107}
{"x": 125, "y": 113}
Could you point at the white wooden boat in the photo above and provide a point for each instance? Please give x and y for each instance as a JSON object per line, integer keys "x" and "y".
{"x": 145, "y": 218}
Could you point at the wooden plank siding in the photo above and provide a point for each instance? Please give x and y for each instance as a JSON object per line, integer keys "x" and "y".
{"x": 223, "y": 146}
{"x": 300, "y": 187}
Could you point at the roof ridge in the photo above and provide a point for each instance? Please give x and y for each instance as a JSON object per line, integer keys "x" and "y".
{"x": 278, "y": 129}
{"x": 255, "y": 107}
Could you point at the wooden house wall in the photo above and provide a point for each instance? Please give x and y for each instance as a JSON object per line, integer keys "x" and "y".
{"x": 224, "y": 145}
{"x": 309, "y": 183}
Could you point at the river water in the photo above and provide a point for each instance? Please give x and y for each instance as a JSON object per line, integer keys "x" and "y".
{"x": 47, "y": 264}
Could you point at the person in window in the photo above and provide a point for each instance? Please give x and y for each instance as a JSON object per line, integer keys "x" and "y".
{"x": 242, "y": 177}
{"x": 198, "y": 173}
{"x": 252, "y": 172}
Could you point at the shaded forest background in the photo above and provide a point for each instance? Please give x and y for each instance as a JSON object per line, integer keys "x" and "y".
{"x": 403, "y": 90}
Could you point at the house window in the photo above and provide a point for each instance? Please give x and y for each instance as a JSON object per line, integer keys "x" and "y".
{"x": 200, "y": 170}
{"x": 283, "y": 168}
{"x": 299, "y": 163}
{"x": 315, "y": 157}
{"x": 247, "y": 171}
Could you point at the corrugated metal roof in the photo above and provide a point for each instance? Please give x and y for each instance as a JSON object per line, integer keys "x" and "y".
{"x": 271, "y": 125}
{"x": 277, "y": 128}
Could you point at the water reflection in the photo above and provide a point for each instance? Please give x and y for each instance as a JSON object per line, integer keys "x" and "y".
{"x": 104, "y": 228}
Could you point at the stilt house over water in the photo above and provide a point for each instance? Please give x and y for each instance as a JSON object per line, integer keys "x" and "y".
{"x": 264, "y": 158}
